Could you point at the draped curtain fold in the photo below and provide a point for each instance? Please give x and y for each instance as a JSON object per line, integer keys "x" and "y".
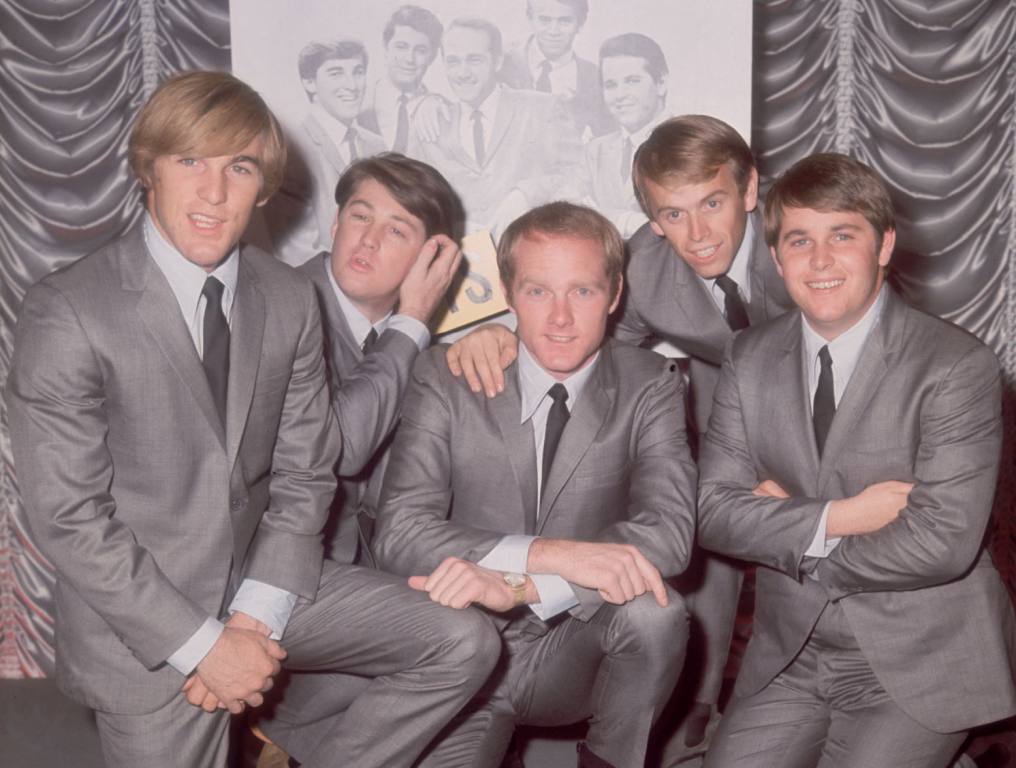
{"x": 924, "y": 92}
{"x": 72, "y": 77}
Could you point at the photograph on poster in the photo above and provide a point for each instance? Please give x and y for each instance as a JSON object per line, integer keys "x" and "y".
{"x": 516, "y": 103}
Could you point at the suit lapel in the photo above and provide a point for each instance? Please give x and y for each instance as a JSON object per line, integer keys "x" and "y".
{"x": 583, "y": 425}
{"x": 341, "y": 344}
{"x": 502, "y": 122}
{"x": 519, "y": 444}
{"x": 871, "y": 367}
{"x": 245, "y": 338}
{"x": 325, "y": 145}
{"x": 159, "y": 312}
{"x": 711, "y": 330}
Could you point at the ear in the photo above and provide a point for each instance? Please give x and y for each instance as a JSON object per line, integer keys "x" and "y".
{"x": 617, "y": 296}
{"x": 751, "y": 191}
{"x": 657, "y": 229}
{"x": 310, "y": 86}
{"x": 507, "y": 297}
{"x": 335, "y": 225}
{"x": 776, "y": 261}
{"x": 885, "y": 253}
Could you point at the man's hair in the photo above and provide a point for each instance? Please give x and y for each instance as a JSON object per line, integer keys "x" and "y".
{"x": 418, "y": 187}
{"x": 206, "y": 114}
{"x": 477, "y": 24}
{"x": 579, "y": 7}
{"x": 561, "y": 219}
{"x": 690, "y": 149}
{"x": 635, "y": 44}
{"x": 314, "y": 54}
{"x": 829, "y": 181}
{"x": 420, "y": 19}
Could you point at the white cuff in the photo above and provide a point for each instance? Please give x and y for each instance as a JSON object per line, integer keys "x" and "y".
{"x": 190, "y": 654}
{"x": 269, "y": 605}
{"x": 511, "y": 554}
{"x": 412, "y": 327}
{"x": 556, "y": 595}
{"x": 820, "y": 547}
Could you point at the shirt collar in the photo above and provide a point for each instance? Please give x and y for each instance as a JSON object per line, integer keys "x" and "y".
{"x": 488, "y": 107}
{"x": 334, "y": 127}
{"x": 638, "y": 137}
{"x": 359, "y": 325}
{"x": 535, "y": 58}
{"x": 738, "y": 271}
{"x": 846, "y": 348}
{"x": 185, "y": 278}
{"x": 534, "y": 382}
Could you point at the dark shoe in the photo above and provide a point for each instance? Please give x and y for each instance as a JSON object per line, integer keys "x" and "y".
{"x": 588, "y": 759}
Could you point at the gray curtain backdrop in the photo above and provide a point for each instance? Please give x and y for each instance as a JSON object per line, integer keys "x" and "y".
{"x": 924, "y": 92}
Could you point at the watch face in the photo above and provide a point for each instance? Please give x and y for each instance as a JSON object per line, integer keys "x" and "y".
{"x": 514, "y": 580}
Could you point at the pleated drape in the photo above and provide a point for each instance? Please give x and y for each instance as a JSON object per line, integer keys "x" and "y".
{"x": 923, "y": 91}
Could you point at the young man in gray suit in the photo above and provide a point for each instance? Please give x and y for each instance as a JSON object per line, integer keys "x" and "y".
{"x": 697, "y": 272}
{"x": 557, "y": 507}
{"x": 852, "y": 452}
{"x": 175, "y": 449}
{"x": 393, "y": 257}
{"x": 503, "y": 150}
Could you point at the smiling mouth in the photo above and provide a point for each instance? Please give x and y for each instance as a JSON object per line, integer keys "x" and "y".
{"x": 203, "y": 222}
{"x": 704, "y": 254}
{"x": 824, "y": 285}
{"x": 559, "y": 339}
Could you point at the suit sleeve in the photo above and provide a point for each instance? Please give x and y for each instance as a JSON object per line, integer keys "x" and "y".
{"x": 368, "y": 399}
{"x": 732, "y": 519}
{"x": 414, "y": 532}
{"x": 939, "y": 534}
{"x": 57, "y": 408}
{"x": 287, "y": 550}
{"x": 661, "y": 495}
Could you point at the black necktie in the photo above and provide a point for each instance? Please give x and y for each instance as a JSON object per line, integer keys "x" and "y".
{"x": 824, "y": 407}
{"x": 402, "y": 126}
{"x": 543, "y": 81}
{"x": 351, "y": 141}
{"x": 368, "y": 342}
{"x": 556, "y": 420}
{"x": 215, "y": 357}
{"x": 478, "y": 148}
{"x": 626, "y": 159}
{"x": 733, "y": 307}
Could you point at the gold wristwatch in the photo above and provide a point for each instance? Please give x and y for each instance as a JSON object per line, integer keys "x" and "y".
{"x": 517, "y": 582}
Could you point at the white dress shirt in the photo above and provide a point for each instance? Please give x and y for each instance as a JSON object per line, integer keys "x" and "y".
{"x": 563, "y": 74}
{"x": 268, "y": 604}
{"x": 512, "y": 552}
{"x": 386, "y": 107}
{"x": 360, "y": 326}
{"x": 844, "y": 350}
{"x": 738, "y": 271}
{"x": 488, "y": 111}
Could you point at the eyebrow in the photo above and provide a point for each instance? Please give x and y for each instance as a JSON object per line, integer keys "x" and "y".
{"x": 395, "y": 217}
{"x": 247, "y": 159}
{"x": 719, "y": 192}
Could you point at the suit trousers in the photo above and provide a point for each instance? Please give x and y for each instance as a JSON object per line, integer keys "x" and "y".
{"x": 411, "y": 665}
{"x": 827, "y": 709}
{"x": 616, "y": 670}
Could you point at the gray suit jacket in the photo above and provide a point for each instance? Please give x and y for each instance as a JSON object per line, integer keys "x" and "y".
{"x": 586, "y": 106}
{"x": 666, "y": 299}
{"x": 463, "y": 468}
{"x": 367, "y": 392}
{"x": 531, "y": 148}
{"x": 149, "y": 512}
{"x": 922, "y": 596}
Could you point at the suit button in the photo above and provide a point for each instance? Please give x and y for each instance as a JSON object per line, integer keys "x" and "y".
{"x": 236, "y": 504}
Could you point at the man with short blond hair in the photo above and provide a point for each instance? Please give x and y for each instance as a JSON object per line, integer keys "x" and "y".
{"x": 175, "y": 449}
{"x": 558, "y": 507}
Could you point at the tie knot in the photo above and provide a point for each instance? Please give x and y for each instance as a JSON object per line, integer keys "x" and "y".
{"x": 728, "y": 286}
{"x": 477, "y": 115}
{"x": 369, "y": 340}
{"x": 824, "y": 357}
{"x": 213, "y": 290}
{"x": 558, "y": 393}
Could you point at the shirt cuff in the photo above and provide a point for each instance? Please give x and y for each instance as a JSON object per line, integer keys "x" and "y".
{"x": 190, "y": 654}
{"x": 511, "y": 554}
{"x": 820, "y": 547}
{"x": 413, "y": 328}
{"x": 269, "y": 605}
{"x": 556, "y": 595}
